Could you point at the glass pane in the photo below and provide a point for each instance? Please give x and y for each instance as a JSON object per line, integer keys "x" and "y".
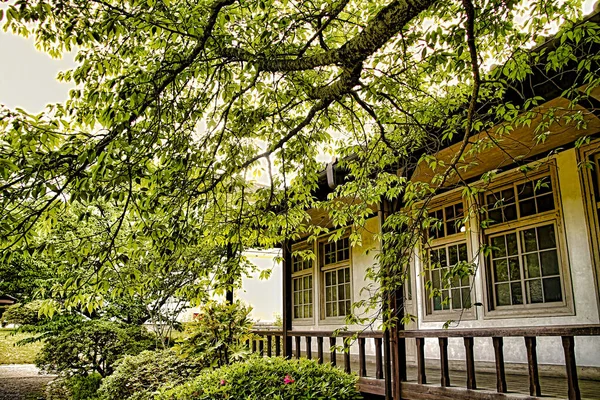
{"x": 508, "y": 195}
{"x": 450, "y": 212}
{"x": 446, "y": 300}
{"x": 435, "y": 279}
{"x": 451, "y": 227}
{"x": 462, "y": 252}
{"x": 503, "y": 294}
{"x": 535, "y": 291}
{"x": 328, "y": 294}
{"x": 495, "y": 215}
{"x": 552, "y": 290}
{"x": 342, "y": 306}
{"x": 517, "y": 293}
{"x": 340, "y": 275}
{"x": 307, "y": 311}
{"x": 346, "y": 254}
{"x": 347, "y": 274}
{"x": 466, "y": 297}
{"x": 498, "y": 247}
{"x": 329, "y": 310}
{"x": 529, "y": 240}
{"x": 500, "y": 270}
{"x": 334, "y": 294}
{"x": 327, "y": 278}
{"x": 546, "y": 237}
{"x": 296, "y": 312}
{"x": 532, "y": 266}
{"x": 545, "y": 203}
{"x": 453, "y": 255}
{"x": 515, "y": 270}
{"x": 510, "y": 213}
{"x": 465, "y": 281}
{"x": 347, "y": 289}
{"x": 549, "y": 262}
{"x": 295, "y": 285}
{"x": 296, "y": 297}
{"x": 340, "y": 255}
{"x": 456, "y": 303}
{"x": 525, "y": 190}
{"x": 545, "y": 186}
{"x": 340, "y": 291}
{"x": 527, "y": 207}
{"x": 437, "y": 303}
{"x": 511, "y": 240}
{"x": 310, "y": 299}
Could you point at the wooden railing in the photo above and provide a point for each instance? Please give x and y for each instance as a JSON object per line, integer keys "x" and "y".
{"x": 530, "y": 335}
{"x": 375, "y": 384}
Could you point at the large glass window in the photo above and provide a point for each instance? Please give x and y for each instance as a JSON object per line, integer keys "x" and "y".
{"x": 525, "y": 264}
{"x": 336, "y": 277}
{"x": 450, "y": 291}
{"x": 302, "y": 286}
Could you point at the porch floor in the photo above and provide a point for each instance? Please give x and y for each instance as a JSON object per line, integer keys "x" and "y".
{"x": 553, "y": 387}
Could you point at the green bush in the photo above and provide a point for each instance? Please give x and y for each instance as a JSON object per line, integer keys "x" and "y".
{"x": 136, "y": 377}
{"x": 218, "y": 334}
{"x": 92, "y": 346}
{"x": 268, "y": 378}
{"x": 74, "y": 388}
{"x": 22, "y": 314}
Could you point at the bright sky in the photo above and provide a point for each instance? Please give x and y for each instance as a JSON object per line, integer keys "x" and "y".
{"x": 28, "y": 76}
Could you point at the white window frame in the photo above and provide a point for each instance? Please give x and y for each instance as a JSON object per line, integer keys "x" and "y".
{"x": 445, "y": 241}
{"x": 300, "y": 275}
{"x": 512, "y": 179}
{"x": 328, "y": 268}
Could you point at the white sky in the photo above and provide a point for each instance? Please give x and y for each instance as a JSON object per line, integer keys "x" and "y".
{"x": 28, "y": 76}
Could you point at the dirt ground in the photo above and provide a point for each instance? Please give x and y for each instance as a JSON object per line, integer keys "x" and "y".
{"x": 22, "y": 382}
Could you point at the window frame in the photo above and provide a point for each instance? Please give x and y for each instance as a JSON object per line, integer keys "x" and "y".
{"x": 440, "y": 203}
{"x": 513, "y": 179}
{"x": 338, "y": 265}
{"x": 300, "y": 275}
{"x": 591, "y": 203}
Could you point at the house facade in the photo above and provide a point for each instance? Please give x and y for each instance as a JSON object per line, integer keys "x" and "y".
{"x": 531, "y": 307}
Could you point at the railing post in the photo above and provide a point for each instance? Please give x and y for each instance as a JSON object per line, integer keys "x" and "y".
{"x": 298, "y": 352}
{"x": 362, "y": 361}
{"x": 332, "y": 357}
{"x": 269, "y": 345}
{"x": 421, "y": 376}
{"x": 320, "y": 349}
{"x": 308, "y": 348}
{"x": 534, "y": 378}
{"x": 445, "y": 373}
{"x": 471, "y": 382}
{"x": 261, "y": 347}
{"x": 568, "y": 343}
{"x": 277, "y": 346}
{"x": 347, "y": 367}
{"x": 499, "y": 355}
{"x": 253, "y": 346}
{"x": 287, "y": 299}
{"x": 378, "y": 359}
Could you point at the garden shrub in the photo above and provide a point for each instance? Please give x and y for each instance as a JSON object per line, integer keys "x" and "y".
{"x": 268, "y": 378}
{"x": 74, "y": 387}
{"x": 137, "y": 377}
{"x": 92, "y": 346}
{"x": 218, "y": 334}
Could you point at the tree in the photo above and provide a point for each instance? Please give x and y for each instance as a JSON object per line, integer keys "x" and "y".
{"x": 178, "y": 103}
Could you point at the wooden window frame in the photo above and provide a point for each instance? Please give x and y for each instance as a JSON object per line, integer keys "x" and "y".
{"x": 300, "y": 275}
{"x": 329, "y": 268}
{"x": 591, "y": 204}
{"x": 513, "y": 179}
{"x": 431, "y": 315}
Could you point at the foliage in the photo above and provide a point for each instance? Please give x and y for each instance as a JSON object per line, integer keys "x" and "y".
{"x": 179, "y": 107}
{"x": 218, "y": 333}
{"x": 74, "y": 387}
{"x": 23, "y": 314}
{"x": 268, "y": 378}
{"x": 92, "y": 347}
{"x": 137, "y": 377}
{"x": 11, "y": 352}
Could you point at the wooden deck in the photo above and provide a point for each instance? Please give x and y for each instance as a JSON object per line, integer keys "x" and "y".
{"x": 553, "y": 387}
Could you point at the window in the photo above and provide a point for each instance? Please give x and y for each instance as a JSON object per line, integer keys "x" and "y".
{"x": 591, "y": 178}
{"x": 453, "y": 291}
{"x": 302, "y": 287}
{"x": 336, "y": 278}
{"x": 522, "y": 231}
{"x": 448, "y": 290}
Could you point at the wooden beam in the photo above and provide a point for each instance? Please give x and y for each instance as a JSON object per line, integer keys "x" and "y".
{"x": 287, "y": 299}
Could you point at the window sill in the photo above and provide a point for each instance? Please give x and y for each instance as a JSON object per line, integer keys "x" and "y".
{"x": 443, "y": 316}
{"x": 303, "y": 322}
{"x": 333, "y": 321}
{"x": 531, "y": 311}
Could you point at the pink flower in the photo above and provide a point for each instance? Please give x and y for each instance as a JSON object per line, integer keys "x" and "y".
{"x": 222, "y": 382}
{"x": 288, "y": 379}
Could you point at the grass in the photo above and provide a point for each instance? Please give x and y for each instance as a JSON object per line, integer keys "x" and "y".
{"x": 10, "y": 353}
